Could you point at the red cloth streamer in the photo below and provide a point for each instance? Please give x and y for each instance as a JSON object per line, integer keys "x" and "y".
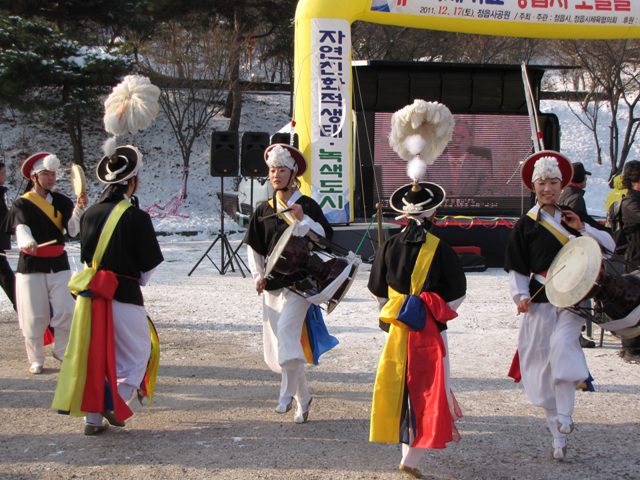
{"x": 49, "y": 336}
{"x": 425, "y": 378}
{"x": 514, "y": 371}
{"x": 101, "y": 362}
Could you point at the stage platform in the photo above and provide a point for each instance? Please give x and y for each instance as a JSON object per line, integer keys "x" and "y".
{"x": 480, "y": 241}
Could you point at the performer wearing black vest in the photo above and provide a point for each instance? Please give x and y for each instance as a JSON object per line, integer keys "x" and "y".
{"x": 419, "y": 282}
{"x": 127, "y": 257}
{"x": 39, "y": 219}
{"x": 284, "y": 310}
{"x": 550, "y": 359}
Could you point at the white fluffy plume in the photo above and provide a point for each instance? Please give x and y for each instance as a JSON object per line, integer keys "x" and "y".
{"x": 132, "y": 105}
{"x": 431, "y": 121}
{"x": 109, "y": 147}
{"x": 416, "y": 169}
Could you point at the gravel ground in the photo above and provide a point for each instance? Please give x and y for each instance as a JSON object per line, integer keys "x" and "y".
{"x": 213, "y": 415}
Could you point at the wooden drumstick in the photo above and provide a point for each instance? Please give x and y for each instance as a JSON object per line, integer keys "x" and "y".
{"x": 545, "y": 283}
{"x": 262, "y": 219}
{"x": 50, "y": 242}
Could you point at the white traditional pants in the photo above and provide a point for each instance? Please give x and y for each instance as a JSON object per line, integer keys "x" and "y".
{"x": 283, "y": 313}
{"x": 44, "y": 299}
{"x": 552, "y": 362}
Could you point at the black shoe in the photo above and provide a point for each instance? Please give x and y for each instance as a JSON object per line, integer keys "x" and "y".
{"x": 629, "y": 357}
{"x": 586, "y": 343}
{"x": 110, "y": 416}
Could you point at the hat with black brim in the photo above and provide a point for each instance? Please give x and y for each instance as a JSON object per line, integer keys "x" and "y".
{"x": 119, "y": 167}
{"x": 416, "y": 198}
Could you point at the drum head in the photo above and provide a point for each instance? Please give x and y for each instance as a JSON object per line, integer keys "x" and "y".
{"x": 274, "y": 256}
{"x": 78, "y": 181}
{"x": 574, "y": 271}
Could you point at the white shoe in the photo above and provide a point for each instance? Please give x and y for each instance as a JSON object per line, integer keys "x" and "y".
{"x": 284, "y": 407}
{"x": 35, "y": 368}
{"x": 558, "y": 453}
{"x": 302, "y": 413}
{"x": 91, "y": 429}
{"x": 565, "y": 428}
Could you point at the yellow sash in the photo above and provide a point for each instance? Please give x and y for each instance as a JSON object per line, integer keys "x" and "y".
{"x": 388, "y": 391}
{"x": 46, "y": 207}
{"x": 554, "y": 231}
{"x": 282, "y": 214}
{"x": 73, "y": 372}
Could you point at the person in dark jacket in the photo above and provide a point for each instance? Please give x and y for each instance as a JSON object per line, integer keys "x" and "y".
{"x": 7, "y": 277}
{"x": 572, "y": 195}
{"x": 630, "y": 212}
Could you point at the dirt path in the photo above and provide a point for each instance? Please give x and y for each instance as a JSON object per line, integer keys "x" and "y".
{"x": 213, "y": 414}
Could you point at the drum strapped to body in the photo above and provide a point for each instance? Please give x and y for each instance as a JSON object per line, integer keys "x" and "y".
{"x": 329, "y": 280}
{"x": 579, "y": 273}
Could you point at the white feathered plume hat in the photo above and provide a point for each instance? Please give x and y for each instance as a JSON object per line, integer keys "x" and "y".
{"x": 131, "y": 106}
{"x": 419, "y": 134}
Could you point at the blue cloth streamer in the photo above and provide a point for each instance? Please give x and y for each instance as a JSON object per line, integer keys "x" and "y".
{"x": 413, "y": 313}
{"x": 319, "y": 338}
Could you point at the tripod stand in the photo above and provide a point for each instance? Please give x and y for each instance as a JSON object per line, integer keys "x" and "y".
{"x": 224, "y": 246}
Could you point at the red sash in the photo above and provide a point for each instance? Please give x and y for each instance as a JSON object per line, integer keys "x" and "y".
{"x": 425, "y": 377}
{"x": 101, "y": 362}
{"x": 48, "y": 251}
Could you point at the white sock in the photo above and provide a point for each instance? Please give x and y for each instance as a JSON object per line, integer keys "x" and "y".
{"x": 93, "y": 418}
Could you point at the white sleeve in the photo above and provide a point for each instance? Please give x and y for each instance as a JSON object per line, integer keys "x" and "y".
{"x": 73, "y": 226}
{"x": 518, "y": 286}
{"x": 24, "y": 236}
{"x": 454, "y": 304}
{"x": 313, "y": 225}
{"x": 381, "y": 301}
{"x": 602, "y": 237}
{"x": 146, "y": 276}
{"x": 256, "y": 264}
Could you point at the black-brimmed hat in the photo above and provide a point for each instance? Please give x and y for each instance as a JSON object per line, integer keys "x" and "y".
{"x": 416, "y": 198}
{"x": 119, "y": 167}
{"x": 579, "y": 172}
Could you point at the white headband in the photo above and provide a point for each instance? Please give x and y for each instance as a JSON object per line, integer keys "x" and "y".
{"x": 546, "y": 167}
{"x": 279, "y": 156}
{"x": 50, "y": 162}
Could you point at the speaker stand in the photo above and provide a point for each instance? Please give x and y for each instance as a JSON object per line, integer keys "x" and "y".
{"x": 224, "y": 246}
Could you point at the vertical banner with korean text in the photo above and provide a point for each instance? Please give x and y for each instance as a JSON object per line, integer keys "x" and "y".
{"x": 330, "y": 125}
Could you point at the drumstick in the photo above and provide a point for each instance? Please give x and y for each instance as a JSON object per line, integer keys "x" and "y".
{"x": 548, "y": 280}
{"x": 50, "y": 242}
{"x": 262, "y": 219}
